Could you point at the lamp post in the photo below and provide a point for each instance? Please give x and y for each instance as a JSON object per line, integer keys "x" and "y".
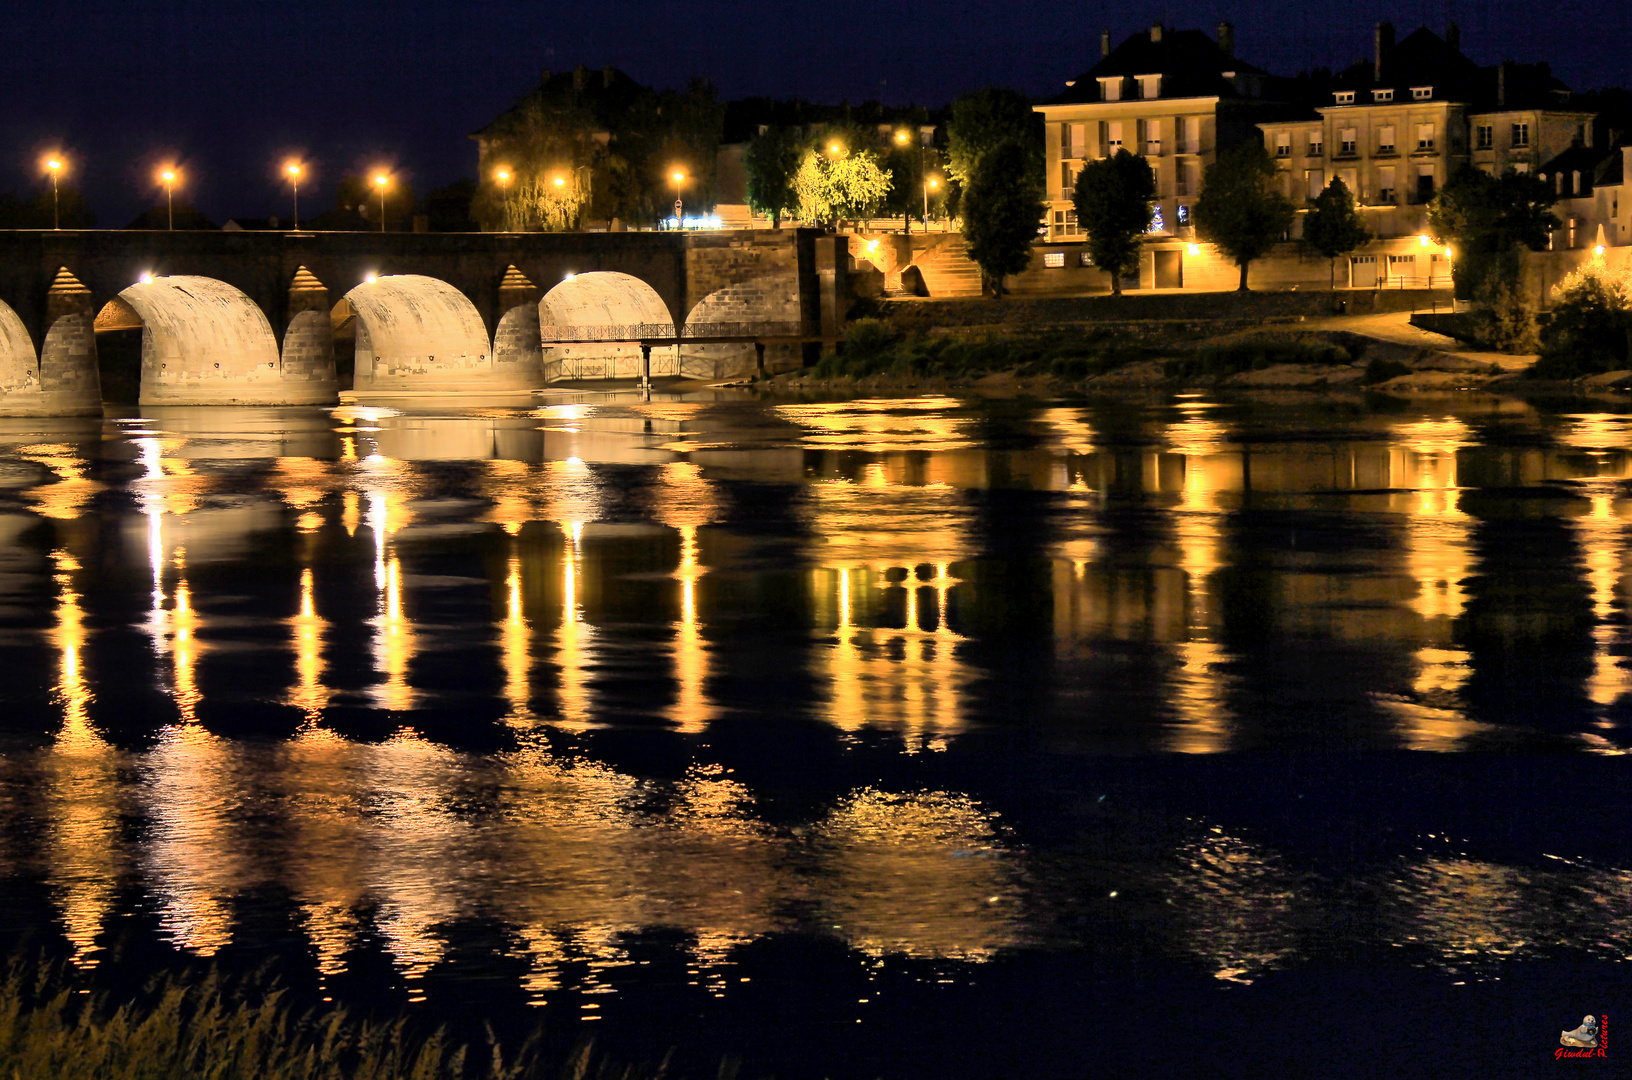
{"x": 54, "y": 166}
{"x": 901, "y": 138}
{"x": 293, "y": 169}
{"x": 503, "y": 177}
{"x": 679, "y": 179}
{"x": 380, "y": 181}
{"x": 169, "y": 178}
{"x": 929, "y": 183}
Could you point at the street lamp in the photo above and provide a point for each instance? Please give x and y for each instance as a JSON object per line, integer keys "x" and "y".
{"x": 54, "y": 166}
{"x": 503, "y": 177}
{"x": 902, "y": 137}
{"x": 293, "y": 169}
{"x": 930, "y": 183}
{"x": 169, "y": 178}
{"x": 679, "y": 179}
{"x": 380, "y": 181}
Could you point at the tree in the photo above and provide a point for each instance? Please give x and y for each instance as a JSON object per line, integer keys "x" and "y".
{"x": 1333, "y": 226}
{"x": 837, "y": 187}
{"x": 359, "y": 192}
{"x": 1113, "y": 199}
{"x": 985, "y": 119}
{"x": 1590, "y": 326}
{"x": 1487, "y": 219}
{"x": 771, "y": 160}
{"x": 1002, "y": 206}
{"x": 1239, "y": 209}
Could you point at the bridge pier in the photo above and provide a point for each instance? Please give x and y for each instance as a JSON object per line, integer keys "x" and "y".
{"x": 308, "y": 337}
{"x": 69, "y": 379}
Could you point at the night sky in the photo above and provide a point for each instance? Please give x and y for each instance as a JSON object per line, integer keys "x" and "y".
{"x": 229, "y": 88}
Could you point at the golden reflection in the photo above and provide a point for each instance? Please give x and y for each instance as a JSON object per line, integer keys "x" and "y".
{"x": 1600, "y": 533}
{"x": 393, "y": 633}
{"x": 65, "y": 499}
{"x": 508, "y": 485}
{"x": 575, "y": 639}
{"x": 907, "y": 680}
{"x": 924, "y": 423}
{"x": 1212, "y": 477}
{"x": 323, "y": 859}
{"x": 692, "y": 708}
{"x": 515, "y": 638}
{"x": 309, "y": 694}
{"x": 185, "y": 645}
{"x": 196, "y": 863}
{"x": 83, "y": 856}
{"x": 917, "y": 875}
{"x": 1439, "y": 558}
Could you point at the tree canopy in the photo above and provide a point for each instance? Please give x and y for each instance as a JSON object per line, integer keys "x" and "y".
{"x": 1113, "y": 199}
{"x": 982, "y": 120}
{"x": 1240, "y": 209}
{"x": 35, "y": 213}
{"x": 1487, "y": 219}
{"x": 771, "y": 160}
{"x": 830, "y": 188}
{"x": 1333, "y": 226}
{"x": 1002, "y": 206}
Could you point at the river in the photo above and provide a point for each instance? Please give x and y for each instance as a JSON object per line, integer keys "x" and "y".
{"x": 880, "y": 738}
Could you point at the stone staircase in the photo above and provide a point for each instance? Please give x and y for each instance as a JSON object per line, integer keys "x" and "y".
{"x": 946, "y": 268}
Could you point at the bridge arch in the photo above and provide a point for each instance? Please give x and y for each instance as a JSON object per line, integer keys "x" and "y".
{"x": 19, "y": 366}
{"x": 420, "y": 335}
{"x": 748, "y": 310}
{"x": 205, "y": 342}
{"x": 592, "y": 325}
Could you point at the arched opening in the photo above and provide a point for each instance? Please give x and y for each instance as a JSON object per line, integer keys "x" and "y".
{"x": 747, "y": 311}
{"x": 206, "y": 343}
{"x": 118, "y": 335}
{"x": 592, "y": 325}
{"x": 418, "y": 335}
{"x": 19, "y": 366}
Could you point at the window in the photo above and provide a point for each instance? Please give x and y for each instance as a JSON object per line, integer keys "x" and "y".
{"x": 1079, "y": 140}
{"x": 1351, "y": 180}
{"x": 1150, "y": 87}
{"x": 1425, "y": 136}
{"x": 1484, "y": 137}
{"x": 1558, "y": 183}
{"x": 1084, "y": 259}
{"x": 1113, "y": 137}
{"x": 1185, "y": 178}
{"x": 1283, "y": 144}
{"x": 1346, "y": 139}
{"x": 1385, "y": 139}
{"x": 1317, "y": 143}
{"x": 1614, "y": 206}
{"x": 1520, "y": 167}
{"x": 1314, "y": 182}
{"x": 1385, "y": 184}
{"x": 1521, "y": 134}
{"x": 1344, "y": 97}
{"x": 1068, "y": 181}
{"x": 1184, "y": 216}
{"x": 1421, "y": 93}
{"x": 1190, "y": 135}
{"x": 1575, "y": 182}
{"x": 1580, "y": 135}
{"x": 1110, "y": 89}
{"x": 1382, "y": 95}
{"x": 1054, "y": 260}
{"x": 1151, "y": 137}
{"x": 1425, "y": 183}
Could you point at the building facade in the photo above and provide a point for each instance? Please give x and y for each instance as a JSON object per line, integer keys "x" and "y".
{"x": 1177, "y": 97}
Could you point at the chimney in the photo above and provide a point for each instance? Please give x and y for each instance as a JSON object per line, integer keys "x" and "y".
{"x": 1156, "y": 34}
{"x": 1104, "y": 43}
{"x": 1226, "y": 38}
{"x": 1385, "y": 46}
{"x": 1501, "y": 85}
{"x": 1453, "y": 36}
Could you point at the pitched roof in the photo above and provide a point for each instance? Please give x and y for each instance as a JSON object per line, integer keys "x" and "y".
{"x": 1424, "y": 59}
{"x": 1190, "y": 63}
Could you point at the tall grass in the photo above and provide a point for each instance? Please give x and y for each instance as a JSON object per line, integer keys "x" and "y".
{"x": 215, "y": 1028}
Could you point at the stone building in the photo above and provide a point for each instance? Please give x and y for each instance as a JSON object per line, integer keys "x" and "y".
{"x": 1176, "y": 96}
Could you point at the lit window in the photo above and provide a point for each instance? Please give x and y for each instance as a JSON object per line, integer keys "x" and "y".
{"x": 1110, "y": 89}
{"x": 1382, "y": 95}
{"x": 1348, "y": 138}
{"x": 1521, "y": 134}
{"x": 1385, "y": 139}
{"x": 1283, "y": 144}
{"x": 1425, "y": 136}
{"x": 1150, "y": 87}
{"x": 1422, "y": 93}
{"x": 1484, "y": 137}
{"x": 1317, "y": 144}
{"x": 1344, "y": 97}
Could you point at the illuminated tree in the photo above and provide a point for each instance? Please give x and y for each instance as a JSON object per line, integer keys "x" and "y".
{"x": 1001, "y": 210}
{"x": 1113, "y": 199}
{"x": 1333, "y": 226}
{"x": 772, "y": 160}
{"x": 830, "y": 188}
{"x": 1240, "y": 208}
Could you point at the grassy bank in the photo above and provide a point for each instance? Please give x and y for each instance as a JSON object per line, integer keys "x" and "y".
{"x": 54, "y": 1024}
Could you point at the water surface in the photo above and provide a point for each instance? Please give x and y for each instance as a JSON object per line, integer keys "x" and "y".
{"x": 880, "y": 738}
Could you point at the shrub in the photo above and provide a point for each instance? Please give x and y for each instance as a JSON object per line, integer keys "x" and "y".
{"x": 1381, "y": 370}
{"x": 1254, "y": 354}
{"x": 1588, "y": 329}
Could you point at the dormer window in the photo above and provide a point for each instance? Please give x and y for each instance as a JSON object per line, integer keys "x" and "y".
{"x": 1110, "y": 89}
{"x": 1421, "y": 93}
{"x": 1150, "y": 87}
{"x": 1344, "y": 97}
{"x": 1382, "y": 95}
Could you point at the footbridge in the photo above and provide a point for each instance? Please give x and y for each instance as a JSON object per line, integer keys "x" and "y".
{"x": 254, "y": 318}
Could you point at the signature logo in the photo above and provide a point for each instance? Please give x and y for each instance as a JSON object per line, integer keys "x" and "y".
{"x": 1591, "y": 1039}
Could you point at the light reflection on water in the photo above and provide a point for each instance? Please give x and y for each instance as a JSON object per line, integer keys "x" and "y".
{"x": 1151, "y": 581}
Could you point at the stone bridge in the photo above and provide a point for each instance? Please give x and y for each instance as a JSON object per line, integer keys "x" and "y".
{"x": 252, "y": 317}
